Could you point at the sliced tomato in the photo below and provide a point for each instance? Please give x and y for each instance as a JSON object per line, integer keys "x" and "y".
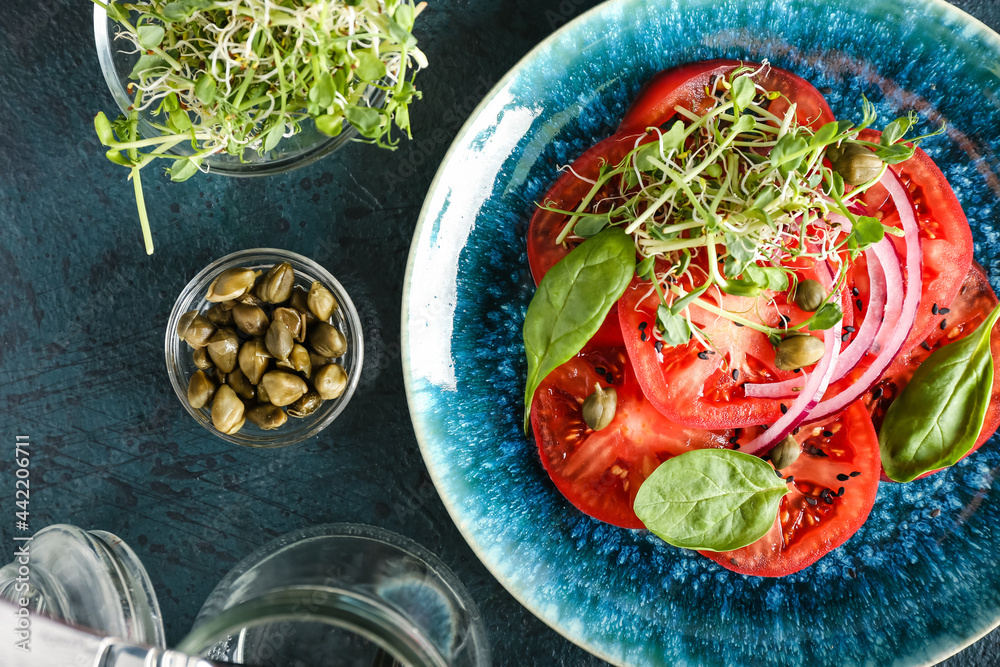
{"x": 945, "y": 237}
{"x": 967, "y": 311}
{"x": 599, "y": 472}
{"x": 566, "y": 194}
{"x": 833, "y": 487}
{"x": 685, "y": 86}
{"x": 705, "y": 388}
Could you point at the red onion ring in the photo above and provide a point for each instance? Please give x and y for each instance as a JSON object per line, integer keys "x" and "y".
{"x": 862, "y": 342}
{"x": 908, "y": 313}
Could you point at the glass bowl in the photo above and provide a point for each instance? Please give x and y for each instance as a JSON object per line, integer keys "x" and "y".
{"x": 180, "y": 365}
{"x": 293, "y": 152}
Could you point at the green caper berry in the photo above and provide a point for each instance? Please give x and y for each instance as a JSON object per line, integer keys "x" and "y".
{"x": 809, "y": 295}
{"x": 798, "y": 351}
{"x": 855, "y": 163}
{"x": 785, "y": 453}
{"x": 599, "y": 408}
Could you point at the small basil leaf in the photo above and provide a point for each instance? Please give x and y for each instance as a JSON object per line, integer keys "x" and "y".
{"x": 590, "y": 225}
{"x": 674, "y": 328}
{"x": 572, "y": 302}
{"x": 868, "y": 231}
{"x": 827, "y": 316}
{"x": 710, "y": 499}
{"x": 937, "y": 417}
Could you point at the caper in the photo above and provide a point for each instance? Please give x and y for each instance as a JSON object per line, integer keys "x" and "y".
{"x": 253, "y": 359}
{"x": 294, "y": 320}
{"x": 300, "y": 302}
{"x": 251, "y": 320}
{"x": 262, "y": 396}
{"x": 330, "y": 381}
{"x": 276, "y": 286}
{"x": 809, "y": 295}
{"x": 200, "y": 390}
{"x": 201, "y": 359}
{"x": 798, "y": 351}
{"x": 305, "y": 406}
{"x": 298, "y": 361}
{"x": 222, "y": 348}
{"x": 321, "y": 301}
{"x": 279, "y": 340}
{"x": 195, "y": 329}
{"x": 785, "y": 453}
{"x": 241, "y": 385}
{"x": 230, "y": 284}
{"x": 318, "y": 360}
{"x": 327, "y": 340}
{"x": 283, "y": 388}
{"x": 227, "y": 411}
{"x": 219, "y": 315}
{"x": 249, "y": 299}
{"x": 599, "y": 408}
{"x": 266, "y": 417}
{"x": 855, "y": 163}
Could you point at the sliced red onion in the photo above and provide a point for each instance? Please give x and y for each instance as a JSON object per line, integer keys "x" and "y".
{"x": 861, "y": 343}
{"x": 807, "y": 399}
{"x": 896, "y": 335}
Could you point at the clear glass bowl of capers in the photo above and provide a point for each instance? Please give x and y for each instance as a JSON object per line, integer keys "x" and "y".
{"x": 264, "y": 348}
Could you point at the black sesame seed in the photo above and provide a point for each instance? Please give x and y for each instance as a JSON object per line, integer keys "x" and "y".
{"x": 784, "y": 319}
{"x": 733, "y": 561}
{"x": 642, "y": 336}
{"x": 609, "y": 378}
{"x": 736, "y": 446}
{"x": 795, "y": 431}
{"x": 944, "y": 311}
{"x": 850, "y": 329}
{"x": 736, "y": 374}
{"x": 790, "y": 478}
{"x": 643, "y": 325}
{"x": 935, "y": 513}
{"x": 877, "y": 393}
{"x": 827, "y": 434}
{"x": 703, "y": 355}
{"x": 601, "y": 370}
{"x": 859, "y": 304}
{"x": 797, "y": 370}
{"x": 842, "y": 477}
{"x": 855, "y": 291}
{"x": 812, "y": 501}
{"x": 855, "y": 473}
{"x": 846, "y": 337}
{"x": 733, "y": 440}
{"x": 784, "y": 408}
{"x": 826, "y": 90}
{"x": 852, "y": 573}
{"x": 737, "y": 324}
{"x": 944, "y": 324}
{"x": 840, "y": 491}
{"x": 658, "y": 346}
{"x": 924, "y": 345}
{"x": 934, "y": 309}
{"x": 827, "y": 497}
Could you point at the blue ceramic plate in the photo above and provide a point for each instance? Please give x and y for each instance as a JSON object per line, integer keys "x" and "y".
{"x": 926, "y": 569}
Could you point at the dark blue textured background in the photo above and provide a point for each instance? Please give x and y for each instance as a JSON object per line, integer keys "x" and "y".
{"x": 82, "y": 312}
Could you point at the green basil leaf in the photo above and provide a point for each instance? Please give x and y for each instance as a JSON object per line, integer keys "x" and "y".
{"x": 590, "y": 225}
{"x": 370, "y": 66}
{"x": 183, "y": 169}
{"x": 572, "y": 302}
{"x": 868, "y": 231}
{"x": 743, "y": 92}
{"x": 827, "y": 316}
{"x": 710, "y": 499}
{"x": 937, "y": 417}
{"x": 674, "y": 328}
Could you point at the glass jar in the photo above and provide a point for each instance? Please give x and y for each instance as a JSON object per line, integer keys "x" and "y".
{"x": 347, "y": 594}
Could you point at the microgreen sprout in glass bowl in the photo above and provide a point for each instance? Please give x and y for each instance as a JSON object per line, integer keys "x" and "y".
{"x": 250, "y": 87}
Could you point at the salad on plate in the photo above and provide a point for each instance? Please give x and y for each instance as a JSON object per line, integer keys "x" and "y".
{"x": 748, "y": 313}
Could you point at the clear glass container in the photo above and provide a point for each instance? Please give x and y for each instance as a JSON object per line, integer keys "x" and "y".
{"x": 180, "y": 364}
{"x": 340, "y": 594}
{"x": 293, "y": 152}
{"x": 90, "y": 579}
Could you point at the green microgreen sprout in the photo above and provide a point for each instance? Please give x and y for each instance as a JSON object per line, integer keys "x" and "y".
{"x": 231, "y": 76}
{"x": 749, "y": 193}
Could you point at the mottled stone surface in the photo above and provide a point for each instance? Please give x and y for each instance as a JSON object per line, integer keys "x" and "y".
{"x": 83, "y": 309}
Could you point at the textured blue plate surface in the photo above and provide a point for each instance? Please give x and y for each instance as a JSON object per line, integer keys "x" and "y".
{"x": 921, "y": 579}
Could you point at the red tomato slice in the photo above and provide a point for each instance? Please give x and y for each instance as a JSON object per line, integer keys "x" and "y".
{"x": 705, "y": 389}
{"x": 815, "y": 518}
{"x": 945, "y": 237}
{"x": 600, "y": 471}
{"x": 974, "y": 302}
{"x": 685, "y": 86}
{"x": 565, "y": 194}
